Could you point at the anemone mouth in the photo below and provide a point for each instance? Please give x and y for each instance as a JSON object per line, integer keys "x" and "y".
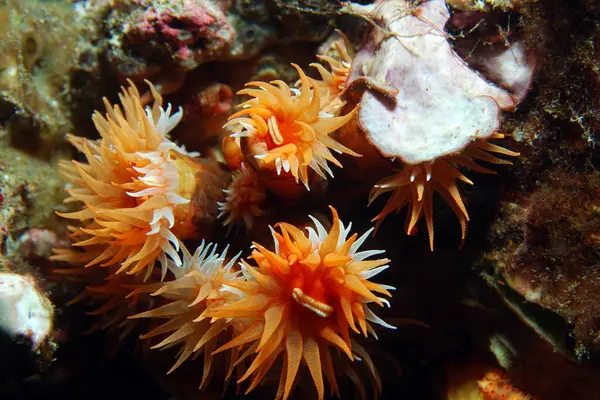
{"x": 414, "y": 185}
{"x": 288, "y": 129}
{"x": 321, "y": 309}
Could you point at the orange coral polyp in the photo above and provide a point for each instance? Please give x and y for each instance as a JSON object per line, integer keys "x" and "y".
{"x": 305, "y": 297}
{"x": 198, "y": 287}
{"x": 243, "y": 198}
{"x": 336, "y": 79}
{"x": 333, "y": 81}
{"x": 287, "y": 129}
{"x": 136, "y": 187}
{"x": 414, "y": 185}
{"x": 495, "y": 385}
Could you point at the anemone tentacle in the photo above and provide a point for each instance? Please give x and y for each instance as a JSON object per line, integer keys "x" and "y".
{"x": 414, "y": 185}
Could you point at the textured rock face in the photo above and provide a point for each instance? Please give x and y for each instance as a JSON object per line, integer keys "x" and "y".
{"x": 24, "y": 180}
{"x": 38, "y": 84}
{"x": 427, "y": 102}
{"x": 552, "y": 258}
{"x": 188, "y": 33}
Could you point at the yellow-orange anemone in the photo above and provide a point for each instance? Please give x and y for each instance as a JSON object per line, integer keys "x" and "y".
{"x": 302, "y": 300}
{"x": 414, "y": 185}
{"x": 243, "y": 198}
{"x": 198, "y": 287}
{"x": 287, "y": 130}
{"x": 137, "y": 187}
{"x": 333, "y": 81}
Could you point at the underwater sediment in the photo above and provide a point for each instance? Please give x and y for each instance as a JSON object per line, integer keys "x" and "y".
{"x": 299, "y": 199}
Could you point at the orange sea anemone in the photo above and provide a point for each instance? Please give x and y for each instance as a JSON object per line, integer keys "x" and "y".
{"x": 243, "y": 198}
{"x": 414, "y": 185}
{"x": 302, "y": 300}
{"x": 286, "y": 129}
{"x": 140, "y": 191}
{"x": 199, "y": 285}
{"x": 334, "y": 80}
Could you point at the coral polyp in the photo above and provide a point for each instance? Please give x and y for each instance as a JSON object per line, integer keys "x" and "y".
{"x": 199, "y": 285}
{"x": 243, "y": 198}
{"x": 495, "y": 385}
{"x": 286, "y": 130}
{"x": 414, "y": 185}
{"x": 302, "y": 300}
{"x": 137, "y": 188}
{"x": 333, "y": 80}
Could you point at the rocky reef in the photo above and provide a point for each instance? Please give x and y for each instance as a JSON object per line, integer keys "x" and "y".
{"x": 299, "y": 199}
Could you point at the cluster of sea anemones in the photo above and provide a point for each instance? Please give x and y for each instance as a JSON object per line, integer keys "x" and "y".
{"x": 271, "y": 133}
{"x": 292, "y": 309}
{"x": 139, "y": 196}
{"x": 299, "y": 305}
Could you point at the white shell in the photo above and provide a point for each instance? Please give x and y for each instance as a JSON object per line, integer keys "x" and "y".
{"x": 436, "y": 105}
{"x": 24, "y": 311}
